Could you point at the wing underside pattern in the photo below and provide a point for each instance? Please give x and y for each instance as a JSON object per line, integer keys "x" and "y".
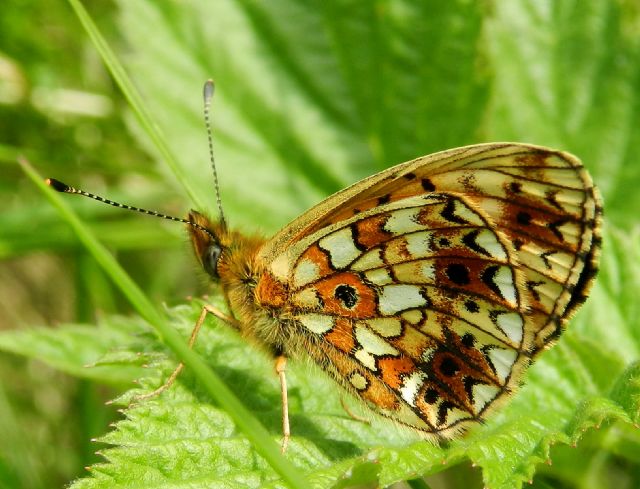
{"x": 429, "y": 287}
{"x": 419, "y": 307}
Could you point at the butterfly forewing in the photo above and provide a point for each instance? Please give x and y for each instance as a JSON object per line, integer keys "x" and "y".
{"x": 427, "y": 288}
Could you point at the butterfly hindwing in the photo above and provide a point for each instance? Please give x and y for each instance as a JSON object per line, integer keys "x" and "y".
{"x": 417, "y": 303}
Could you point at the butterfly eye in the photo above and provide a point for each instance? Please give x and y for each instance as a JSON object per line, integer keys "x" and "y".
{"x": 210, "y": 259}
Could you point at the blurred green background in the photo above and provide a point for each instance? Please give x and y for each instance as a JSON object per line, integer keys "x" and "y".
{"x": 311, "y": 97}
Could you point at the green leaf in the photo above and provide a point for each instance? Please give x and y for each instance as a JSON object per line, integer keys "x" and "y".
{"x": 304, "y": 107}
{"x": 80, "y": 350}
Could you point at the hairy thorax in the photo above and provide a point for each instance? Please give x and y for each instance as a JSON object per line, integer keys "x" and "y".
{"x": 257, "y": 301}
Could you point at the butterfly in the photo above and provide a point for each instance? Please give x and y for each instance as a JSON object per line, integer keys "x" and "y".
{"x": 425, "y": 290}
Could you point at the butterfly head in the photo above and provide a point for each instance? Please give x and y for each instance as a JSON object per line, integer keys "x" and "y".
{"x": 206, "y": 238}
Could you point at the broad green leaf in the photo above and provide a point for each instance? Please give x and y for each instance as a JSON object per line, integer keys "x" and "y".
{"x": 310, "y": 97}
{"x": 75, "y": 349}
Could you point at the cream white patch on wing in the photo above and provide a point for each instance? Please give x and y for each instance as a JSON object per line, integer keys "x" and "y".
{"x": 462, "y": 211}
{"x": 418, "y": 244}
{"x": 371, "y": 259}
{"x": 503, "y": 361}
{"x": 489, "y": 241}
{"x": 399, "y": 297}
{"x": 316, "y": 323}
{"x": 341, "y": 248}
{"x": 358, "y": 381}
{"x": 413, "y": 316}
{"x": 503, "y": 279}
{"x": 306, "y": 298}
{"x": 427, "y": 354}
{"x": 482, "y": 394}
{"x": 411, "y": 385}
{"x": 366, "y": 359}
{"x": 378, "y": 276}
{"x": 403, "y": 221}
{"x": 386, "y": 327}
{"x": 372, "y": 343}
{"x": 453, "y": 415}
{"x": 306, "y": 272}
{"x": 512, "y": 325}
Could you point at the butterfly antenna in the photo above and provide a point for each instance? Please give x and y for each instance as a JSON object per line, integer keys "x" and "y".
{"x": 209, "y": 88}
{"x": 67, "y": 189}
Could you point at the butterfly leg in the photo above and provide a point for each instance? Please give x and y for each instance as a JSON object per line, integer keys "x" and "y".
{"x": 351, "y": 414}
{"x": 281, "y": 364}
{"x": 206, "y": 309}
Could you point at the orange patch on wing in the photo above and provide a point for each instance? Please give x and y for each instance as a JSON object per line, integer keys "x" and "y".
{"x": 430, "y": 216}
{"x": 319, "y": 257}
{"x": 379, "y": 394}
{"x": 452, "y": 371}
{"x": 395, "y": 251}
{"x": 533, "y": 158}
{"x": 341, "y": 336}
{"x": 409, "y": 188}
{"x": 393, "y": 368}
{"x": 371, "y": 231}
{"x": 365, "y": 305}
{"x": 270, "y": 292}
{"x": 538, "y": 224}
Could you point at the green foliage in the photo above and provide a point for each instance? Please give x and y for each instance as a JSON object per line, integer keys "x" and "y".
{"x": 312, "y": 96}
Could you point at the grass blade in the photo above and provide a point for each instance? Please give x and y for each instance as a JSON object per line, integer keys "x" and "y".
{"x": 245, "y": 421}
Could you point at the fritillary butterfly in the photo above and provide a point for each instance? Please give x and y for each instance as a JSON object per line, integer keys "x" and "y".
{"x": 425, "y": 290}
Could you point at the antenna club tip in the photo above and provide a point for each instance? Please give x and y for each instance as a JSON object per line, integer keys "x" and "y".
{"x": 208, "y": 90}
{"x": 57, "y": 185}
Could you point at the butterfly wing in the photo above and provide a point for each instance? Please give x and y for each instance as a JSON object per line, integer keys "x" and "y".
{"x": 543, "y": 200}
{"x": 427, "y": 287}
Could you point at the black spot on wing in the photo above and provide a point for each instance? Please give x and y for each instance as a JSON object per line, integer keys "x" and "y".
{"x": 449, "y": 367}
{"x": 471, "y": 306}
{"x": 515, "y": 187}
{"x": 523, "y": 218}
{"x": 458, "y": 273}
{"x": 428, "y": 185}
{"x": 468, "y": 340}
{"x": 443, "y": 409}
{"x": 347, "y": 295}
{"x": 431, "y": 396}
